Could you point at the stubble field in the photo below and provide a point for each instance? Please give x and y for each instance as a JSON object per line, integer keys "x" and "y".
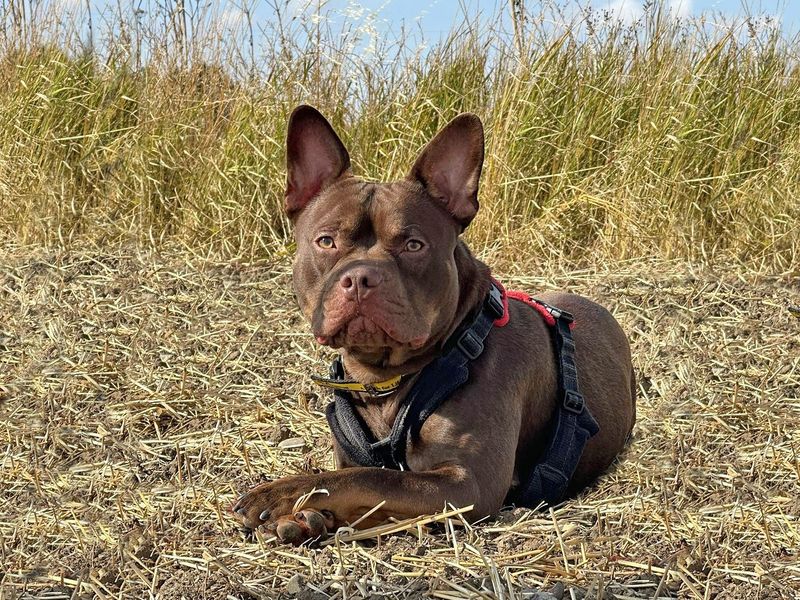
{"x": 143, "y": 391}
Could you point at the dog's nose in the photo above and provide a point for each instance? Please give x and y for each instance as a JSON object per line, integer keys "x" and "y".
{"x": 357, "y": 283}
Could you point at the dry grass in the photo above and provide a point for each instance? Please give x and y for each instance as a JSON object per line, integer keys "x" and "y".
{"x": 679, "y": 139}
{"x": 142, "y": 391}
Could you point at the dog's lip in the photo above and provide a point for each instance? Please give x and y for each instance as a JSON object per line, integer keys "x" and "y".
{"x": 418, "y": 342}
{"x": 329, "y": 338}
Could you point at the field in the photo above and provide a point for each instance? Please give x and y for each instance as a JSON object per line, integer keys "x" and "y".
{"x": 153, "y": 364}
{"x": 148, "y": 390}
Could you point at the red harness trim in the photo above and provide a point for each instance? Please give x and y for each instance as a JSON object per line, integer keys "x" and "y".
{"x": 526, "y": 298}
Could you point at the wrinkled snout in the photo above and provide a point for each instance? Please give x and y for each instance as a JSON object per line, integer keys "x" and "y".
{"x": 365, "y": 305}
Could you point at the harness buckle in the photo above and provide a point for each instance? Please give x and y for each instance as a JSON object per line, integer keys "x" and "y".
{"x": 494, "y": 302}
{"x": 573, "y": 402}
{"x": 470, "y": 344}
{"x": 555, "y": 312}
{"x": 382, "y": 451}
{"x": 561, "y": 314}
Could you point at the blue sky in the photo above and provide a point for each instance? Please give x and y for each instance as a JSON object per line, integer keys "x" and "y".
{"x": 435, "y": 16}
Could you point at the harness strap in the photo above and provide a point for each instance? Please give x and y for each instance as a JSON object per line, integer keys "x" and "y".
{"x": 348, "y": 427}
{"x": 572, "y": 423}
{"x": 433, "y": 386}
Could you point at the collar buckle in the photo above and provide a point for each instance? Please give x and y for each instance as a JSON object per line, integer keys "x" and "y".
{"x": 377, "y": 393}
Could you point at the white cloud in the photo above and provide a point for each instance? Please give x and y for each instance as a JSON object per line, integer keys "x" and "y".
{"x": 232, "y": 18}
{"x": 227, "y": 18}
{"x": 630, "y": 10}
{"x": 625, "y": 10}
{"x": 68, "y": 6}
{"x": 681, "y": 8}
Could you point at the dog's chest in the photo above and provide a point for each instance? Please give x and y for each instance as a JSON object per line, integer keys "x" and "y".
{"x": 379, "y": 414}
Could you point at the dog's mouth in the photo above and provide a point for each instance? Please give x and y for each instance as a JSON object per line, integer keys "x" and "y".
{"x": 370, "y": 333}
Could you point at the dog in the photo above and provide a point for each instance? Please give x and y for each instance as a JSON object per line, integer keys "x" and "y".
{"x": 381, "y": 274}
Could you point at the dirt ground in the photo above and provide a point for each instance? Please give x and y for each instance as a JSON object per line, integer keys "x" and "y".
{"x": 141, "y": 392}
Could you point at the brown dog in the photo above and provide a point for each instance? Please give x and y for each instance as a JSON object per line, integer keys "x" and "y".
{"x": 382, "y": 275}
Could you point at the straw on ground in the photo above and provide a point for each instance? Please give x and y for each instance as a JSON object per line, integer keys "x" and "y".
{"x": 143, "y": 391}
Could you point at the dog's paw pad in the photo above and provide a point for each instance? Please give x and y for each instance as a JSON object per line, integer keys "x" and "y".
{"x": 306, "y": 524}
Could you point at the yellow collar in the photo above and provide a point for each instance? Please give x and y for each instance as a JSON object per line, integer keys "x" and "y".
{"x": 381, "y": 388}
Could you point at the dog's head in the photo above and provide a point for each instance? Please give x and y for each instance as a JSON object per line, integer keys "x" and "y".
{"x": 376, "y": 271}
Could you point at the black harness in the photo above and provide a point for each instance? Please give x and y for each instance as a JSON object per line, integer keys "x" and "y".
{"x": 572, "y": 424}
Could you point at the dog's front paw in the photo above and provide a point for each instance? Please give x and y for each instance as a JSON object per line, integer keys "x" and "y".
{"x": 306, "y": 524}
{"x": 267, "y": 501}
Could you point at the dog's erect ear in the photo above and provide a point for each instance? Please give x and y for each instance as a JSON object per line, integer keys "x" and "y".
{"x": 450, "y": 166}
{"x": 315, "y": 157}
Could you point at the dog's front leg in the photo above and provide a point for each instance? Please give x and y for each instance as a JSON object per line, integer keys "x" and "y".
{"x": 349, "y": 493}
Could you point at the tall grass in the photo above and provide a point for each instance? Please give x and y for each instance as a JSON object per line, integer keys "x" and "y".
{"x": 605, "y": 140}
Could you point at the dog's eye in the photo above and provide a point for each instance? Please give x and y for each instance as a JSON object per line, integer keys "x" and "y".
{"x": 326, "y": 242}
{"x": 414, "y": 245}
